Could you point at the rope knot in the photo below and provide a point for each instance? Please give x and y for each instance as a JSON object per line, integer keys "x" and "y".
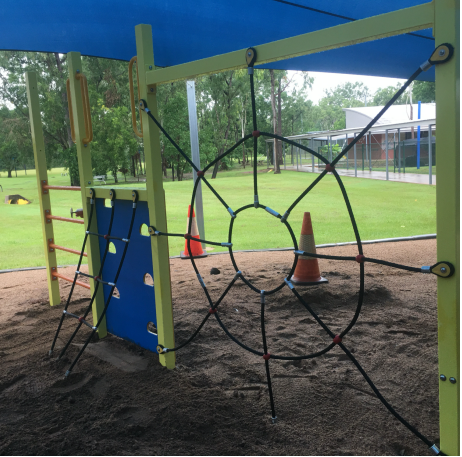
{"x": 360, "y": 258}
{"x": 256, "y": 133}
{"x": 212, "y": 310}
{"x": 330, "y": 168}
{"x": 200, "y": 173}
{"x": 337, "y": 339}
{"x": 267, "y": 356}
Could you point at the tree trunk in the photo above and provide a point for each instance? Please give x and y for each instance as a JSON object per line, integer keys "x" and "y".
{"x": 274, "y": 117}
{"x": 9, "y": 174}
{"x": 277, "y": 165}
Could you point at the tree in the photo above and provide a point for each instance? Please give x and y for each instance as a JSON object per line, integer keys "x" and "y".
{"x": 424, "y": 91}
{"x": 383, "y": 96}
{"x": 114, "y": 142}
{"x": 330, "y": 109}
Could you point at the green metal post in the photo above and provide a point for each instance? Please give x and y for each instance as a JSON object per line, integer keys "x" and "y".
{"x": 42, "y": 178}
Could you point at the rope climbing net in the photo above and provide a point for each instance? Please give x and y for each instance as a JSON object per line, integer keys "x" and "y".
{"x": 82, "y": 320}
{"x": 443, "y": 269}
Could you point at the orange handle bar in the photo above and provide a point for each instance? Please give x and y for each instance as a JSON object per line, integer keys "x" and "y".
{"x": 64, "y": 219}
{"x": 46, "y": 186}
{"x": 62, "y": 248}
{"x": 132, "y": 96}
{"x": 79, "y": 283}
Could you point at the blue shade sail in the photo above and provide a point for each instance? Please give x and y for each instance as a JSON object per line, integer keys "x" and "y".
{"x": 185, "y": 31}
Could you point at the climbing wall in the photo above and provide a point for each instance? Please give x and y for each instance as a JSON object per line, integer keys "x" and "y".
{"x": 132, "y": 315}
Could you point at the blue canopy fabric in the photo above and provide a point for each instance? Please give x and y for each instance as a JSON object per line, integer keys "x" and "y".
{"x": 185, "y": 31}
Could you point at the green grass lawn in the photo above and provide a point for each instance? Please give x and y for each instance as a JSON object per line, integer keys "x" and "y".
{"x": 382, "y": 210}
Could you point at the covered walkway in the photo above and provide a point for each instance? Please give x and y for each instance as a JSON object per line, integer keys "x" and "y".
{"x": 413, "y": 178}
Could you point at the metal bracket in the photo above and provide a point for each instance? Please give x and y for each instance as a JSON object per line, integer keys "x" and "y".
{"x": 441, "y": 54}
{"x": 152, "y": 231}
{"x": 250, "y": 57}
{"x": 47, "y": 213}
{"x": 134, "y": 196}
{"x": 44, "y": 183}
{"x": 443, "y": 269}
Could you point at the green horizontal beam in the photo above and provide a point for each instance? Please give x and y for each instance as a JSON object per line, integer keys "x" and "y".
{"x": 373, "y": 28}
{"x": 122, "y": 193}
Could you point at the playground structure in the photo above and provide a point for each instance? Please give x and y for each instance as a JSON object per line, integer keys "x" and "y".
{"x": 412, "y": 19}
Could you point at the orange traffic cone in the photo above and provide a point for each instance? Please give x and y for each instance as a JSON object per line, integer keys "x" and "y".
{"x": 196, "y": 246}
{"x": 307, "y": 270}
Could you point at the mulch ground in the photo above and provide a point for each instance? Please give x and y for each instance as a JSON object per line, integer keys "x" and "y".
{"x": 120, "y": 400}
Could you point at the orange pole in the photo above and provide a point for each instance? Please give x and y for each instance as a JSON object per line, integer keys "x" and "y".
{"x": 62, "y": 248}
{"x": 46, "y": 186}
{"x": 79, "y": 283}
{"x": 64, "y": 219}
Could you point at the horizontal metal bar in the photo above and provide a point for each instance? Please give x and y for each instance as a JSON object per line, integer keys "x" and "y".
{"x": 122, "y": 193}
{"x": 78, "y": 283}
{"x": 406, "y": 20}
{"x": 64, "y": 219}
{"x": 62, "y": 248}
{"x": 76, "y": 188}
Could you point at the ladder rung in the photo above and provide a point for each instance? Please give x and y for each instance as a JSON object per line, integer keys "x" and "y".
{"x": 64, "y": 219}
{"x": 78, "y": 283}
{"x": 62, "y": 248}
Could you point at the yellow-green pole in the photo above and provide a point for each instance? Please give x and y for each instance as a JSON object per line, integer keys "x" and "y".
{"x": 446, "y": 30}
{"x": 86, "y": 180}
{"x": 42, "y": 178}
{"x": 156, "y": 200}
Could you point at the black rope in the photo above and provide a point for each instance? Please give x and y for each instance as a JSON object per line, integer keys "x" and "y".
{"x": 363, "y": 259}
{"x": 266, "y": 356}
{"x": 96, "y": 286}
{"x": 92, "y": 205}
{"x": 103, "y": 314}
{"x": 379, "y": 115}
{"x": 360, "y": 258}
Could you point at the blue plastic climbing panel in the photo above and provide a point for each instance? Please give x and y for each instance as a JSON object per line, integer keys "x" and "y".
{"x": 132, "y": 315}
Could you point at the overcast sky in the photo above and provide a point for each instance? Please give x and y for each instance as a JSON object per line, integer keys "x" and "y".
{"x": 324, "y": 81}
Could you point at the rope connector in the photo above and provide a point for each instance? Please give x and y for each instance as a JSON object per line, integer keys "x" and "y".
{"x": 360, "y": 258}
{"x": 274, "y": 419}
{"x": 299, "y": 252}
{"x": 291, "y": 286}
{"x": 272, "y": 212}
{"x": 188, "y": 236}
{"x": 330, "y": 168}
{"x": 256, "y": 133}
{"x": 337, "y": 339}
{"x": 81, "y": 319}
{"x": 266, "y": 356}
{"x": 435, "y": 449}
{"x": 256, "y": 203}
{"x": 227, "y": 245}
{"x": 152, "y": 231}
{"x": 425, "y": 269}
{"x": 200, "y": 173}
{"x": 285, "y": 216}
{"x": 199, "y": 277}
{"x": 230, "y": 211}
{"x": 238, "y": 274}
{"x": 262, "y": 297}
{"x": 106, "y": 237}
{"x": 212, "y": 310}
{"x": 160, "y": 349}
